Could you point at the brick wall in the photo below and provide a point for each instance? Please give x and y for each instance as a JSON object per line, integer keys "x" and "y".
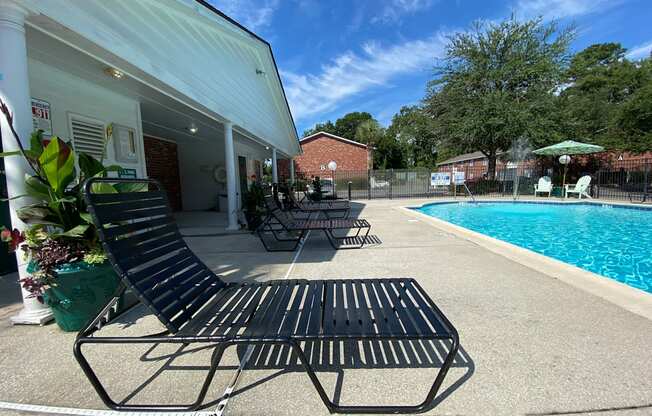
{"x": 322, "y": 149}
{"x": 163, "y": 165}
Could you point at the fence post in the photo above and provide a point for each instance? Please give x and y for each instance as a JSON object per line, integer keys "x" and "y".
{"x": 350, "y": 189}
{"x": 597, "y": 191}
{"x": 390, "y": 181}
{"x": 645, "y": 178}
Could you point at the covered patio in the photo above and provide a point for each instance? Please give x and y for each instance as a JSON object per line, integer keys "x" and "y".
{"x": 175, "y": 91}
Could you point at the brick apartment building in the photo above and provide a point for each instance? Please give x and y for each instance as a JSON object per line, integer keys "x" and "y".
{"x": 321, "y": 148}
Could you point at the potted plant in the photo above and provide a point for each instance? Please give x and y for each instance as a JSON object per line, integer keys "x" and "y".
{"x": 253, "y": 205}
{"x": 67, "y": 268}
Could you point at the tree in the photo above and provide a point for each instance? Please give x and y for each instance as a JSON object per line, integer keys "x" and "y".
{"x": 369, "y": 132}
{"x": 497, "y": 83}
{"x": 327, "y": 127}
{"x": 414, "y": 131}
{"x": 347, "y": 125}
{"x": 604, "y": 90}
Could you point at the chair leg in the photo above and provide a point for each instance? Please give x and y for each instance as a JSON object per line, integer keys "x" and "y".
{"x": 335, "y": 408}
{"x": 110, "y": 403}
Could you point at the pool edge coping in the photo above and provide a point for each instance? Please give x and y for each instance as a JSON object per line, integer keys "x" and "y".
{"x": 620, "y": 294}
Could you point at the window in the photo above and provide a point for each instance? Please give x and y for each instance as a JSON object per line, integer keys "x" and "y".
{"x": 87, "y": 135}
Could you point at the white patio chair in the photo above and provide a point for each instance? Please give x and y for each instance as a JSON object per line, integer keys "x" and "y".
{"x": 580, "y": 188}
{"x": 378, "y": 184}
{"x": 543, "y": 186}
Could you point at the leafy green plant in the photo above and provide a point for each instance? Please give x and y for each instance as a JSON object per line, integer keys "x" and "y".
{"x": 60, "y": 230}
{"x": 254, "y": 206}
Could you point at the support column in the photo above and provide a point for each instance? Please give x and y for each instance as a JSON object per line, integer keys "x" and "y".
{"x": 14, "y": 90}
{"x": 229, "y": 157}
{"x": 292, "y": 171}
{"x": 274, "y": 167}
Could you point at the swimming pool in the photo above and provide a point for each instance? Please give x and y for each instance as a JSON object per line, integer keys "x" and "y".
{"x": 613, "y": 241}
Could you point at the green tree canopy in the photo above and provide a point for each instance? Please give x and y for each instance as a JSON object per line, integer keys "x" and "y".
{"x": 414, "y": 132}
{"x": 605, "y": 96}
{"x": 369, "y": 132}
{"x": 345, "y": 126}
{"x": 497, "y": 83}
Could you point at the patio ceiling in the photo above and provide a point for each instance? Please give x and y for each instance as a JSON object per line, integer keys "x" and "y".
{"x": 181, "y": 50}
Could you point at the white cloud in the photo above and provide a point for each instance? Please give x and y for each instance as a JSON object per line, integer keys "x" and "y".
{"x": 253, "y": 14}
{"x": 352, "y": 73}
{"x": 395, "y": 9}
{"x": 640, "y": 51}
{"x": 559, "y": 9}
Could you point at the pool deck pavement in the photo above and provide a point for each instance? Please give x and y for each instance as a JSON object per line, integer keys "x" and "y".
{"x": 531, "y": 343}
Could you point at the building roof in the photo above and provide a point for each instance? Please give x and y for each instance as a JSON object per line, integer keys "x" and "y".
{"x": 463, "y": 158}
{"x": 332, "y": 136}
{"x": 210, "y": 7}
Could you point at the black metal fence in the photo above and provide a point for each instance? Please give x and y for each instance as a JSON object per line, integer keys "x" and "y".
{"x": 624, "y": 180}
{"x": 610, "y": 180}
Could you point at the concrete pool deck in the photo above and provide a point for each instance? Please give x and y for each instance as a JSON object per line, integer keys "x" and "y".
{"x": 532, "y": 344}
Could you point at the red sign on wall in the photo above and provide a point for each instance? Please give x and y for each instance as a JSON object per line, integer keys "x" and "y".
{"x": 41, "y": 117}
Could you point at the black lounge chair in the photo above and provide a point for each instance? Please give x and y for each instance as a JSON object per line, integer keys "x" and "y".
{"x": 147, "y": 251}
{"x": 287, "y": 228}
{"x": 337, "y": 208}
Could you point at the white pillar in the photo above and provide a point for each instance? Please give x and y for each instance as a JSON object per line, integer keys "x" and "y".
{"x": 14, "y": 90}
{"x": 274, "y": 166}
{"x": 292, "y": 171}
{"x": 229, "y": 157}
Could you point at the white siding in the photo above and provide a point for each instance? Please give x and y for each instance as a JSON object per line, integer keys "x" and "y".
{"x": 69, "y": 94}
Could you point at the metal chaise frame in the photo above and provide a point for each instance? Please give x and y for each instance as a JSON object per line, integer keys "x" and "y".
{"x": 400, "y": 309}
{"x": 328, "y": 208}
{"x": 278, "y": 221}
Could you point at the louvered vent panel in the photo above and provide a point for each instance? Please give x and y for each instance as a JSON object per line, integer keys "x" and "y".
{"x": 88, "y": 137}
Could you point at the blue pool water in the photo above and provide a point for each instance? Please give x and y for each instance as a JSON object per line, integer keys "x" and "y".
{"x": 612, "y": 241}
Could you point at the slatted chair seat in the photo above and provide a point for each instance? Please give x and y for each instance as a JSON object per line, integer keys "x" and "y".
{"x": 315, "y": 309}
{"x": 146, "y": 250}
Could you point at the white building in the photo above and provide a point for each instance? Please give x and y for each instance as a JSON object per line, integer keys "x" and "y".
{"x": 171, "y": 77}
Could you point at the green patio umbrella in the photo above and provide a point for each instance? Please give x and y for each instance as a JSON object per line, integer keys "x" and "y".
{"x": 565, "y": 149}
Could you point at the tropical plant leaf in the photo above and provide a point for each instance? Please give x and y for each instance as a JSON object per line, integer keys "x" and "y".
{"x": 76, "y": 232}
{"x": 36, "y": 214}
{"x": 12, "y": 153}
{"x": 35, "y": 188}
{"x": 90, "y": 166}
{"x": 131, "y": 187}
{"x": 36, "y": 143}
{"x": 103, "y": 188}
{"x": 12, "y": 198}
{"x": 86, "y": 217}
{"x": 58, "y": 164}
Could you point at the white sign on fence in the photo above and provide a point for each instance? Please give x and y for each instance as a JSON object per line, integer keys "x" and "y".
{"x": 440, "y": 179}
{"x": 458, "y": 177}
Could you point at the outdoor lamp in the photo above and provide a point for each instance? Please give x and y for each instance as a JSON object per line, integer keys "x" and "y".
{"x": 564, "y": 159}
{"x": 332, "y": 165}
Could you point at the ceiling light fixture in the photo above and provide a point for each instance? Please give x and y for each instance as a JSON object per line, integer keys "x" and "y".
{"x": 115, "y": 73}
{"x": 193, "y": 129}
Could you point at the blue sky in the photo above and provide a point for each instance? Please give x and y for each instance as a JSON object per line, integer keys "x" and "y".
{"x": 337, "y": 56}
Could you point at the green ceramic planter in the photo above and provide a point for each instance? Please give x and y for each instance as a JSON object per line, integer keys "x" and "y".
{"x": 82, "y": 290}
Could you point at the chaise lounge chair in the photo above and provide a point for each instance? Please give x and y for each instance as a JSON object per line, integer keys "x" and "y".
{"x": 278, "y": 223}
{"x": 580, "y": 188}
{"x": 337, "y": 208}
{"x": 543, "y": 186}
{"x": 196, "y": 307}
